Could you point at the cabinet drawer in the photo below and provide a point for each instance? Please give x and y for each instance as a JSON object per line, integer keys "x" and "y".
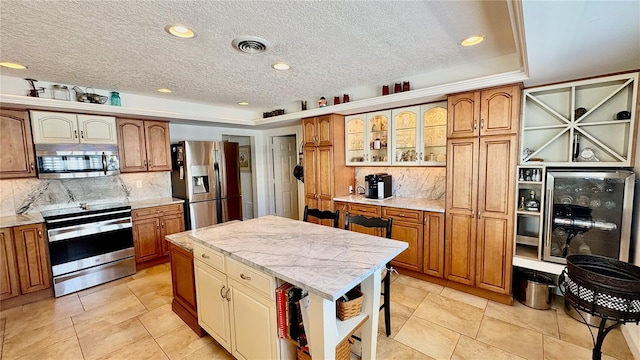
{"x": 156, "y": 211}
{"x": 362, "y": 209}
{"x": 251, "y": 277}
{"x": 404, "y": 214}
{"x": 209, "y": 257}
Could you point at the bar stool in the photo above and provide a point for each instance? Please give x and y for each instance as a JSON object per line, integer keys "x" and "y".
{"x": 377, "y": 223}
{"x": 321, "y": 215}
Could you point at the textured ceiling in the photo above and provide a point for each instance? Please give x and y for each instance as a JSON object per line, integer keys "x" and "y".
{"x": 331, "y": 46}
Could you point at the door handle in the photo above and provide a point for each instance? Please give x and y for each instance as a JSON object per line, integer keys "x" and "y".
{"x": 222, "y": 289}
{"x": 245, "y": 277}
{"x": 82, "y": 134}
{"x": 226, "y": 295}
{"x": 473, "y": 213}
{"x": 482, "y": 124}
{"x": 104, "y": 163}
{"x": 205, "y": 256}
{"x": 75, "y": 134}
{"x": 32, "y": 167}
{"x": 479, "y": 214}
{"x": 144, "y": 162}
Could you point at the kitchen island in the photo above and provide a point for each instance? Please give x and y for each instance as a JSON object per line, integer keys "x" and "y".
{"x": 324, "y": 261}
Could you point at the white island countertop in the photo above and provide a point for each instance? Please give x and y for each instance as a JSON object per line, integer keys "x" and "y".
{"x": 325, "y": 261}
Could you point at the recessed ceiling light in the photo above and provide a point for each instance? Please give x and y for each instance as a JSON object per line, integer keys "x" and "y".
{"x": 11, "y": 65}
{"x": 472, "y": 40}
{"x": 164, "y": 90}
{"x": 180, "y": 31}
{"x": 243, "y": 103}
{"x": 281, "y": 66}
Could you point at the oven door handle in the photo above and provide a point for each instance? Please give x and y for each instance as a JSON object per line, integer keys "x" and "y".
{"x": 76, "y": 231}
{"x": 104, "y": 163}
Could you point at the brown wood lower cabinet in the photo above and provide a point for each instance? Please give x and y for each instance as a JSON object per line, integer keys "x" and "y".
{"x": 423, "y": 231}
{"x": 150, "y": 226}
{"x": 24, "y": 261}
{"x": 184, "y": 287}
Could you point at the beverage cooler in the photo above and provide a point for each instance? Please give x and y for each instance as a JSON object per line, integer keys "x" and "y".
{"x": 588, "y": 212}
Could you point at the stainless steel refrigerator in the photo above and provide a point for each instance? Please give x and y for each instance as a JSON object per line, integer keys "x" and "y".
{"x": 206, "y": 174}
{"x": 588, "y": 212}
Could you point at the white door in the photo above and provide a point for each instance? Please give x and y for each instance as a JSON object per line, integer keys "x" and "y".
{"x": 97, "y": 129}
{"x": 285, "y": 158}
{"x": 54, "y": 128}
{"x": 213, "y": 308}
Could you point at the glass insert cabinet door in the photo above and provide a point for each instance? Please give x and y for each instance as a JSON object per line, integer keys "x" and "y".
{"x": 434, "y": 116}
{"x": 589, "y": 213}
{"x": 406, "y": 133}
{"x": 367, "y": 138}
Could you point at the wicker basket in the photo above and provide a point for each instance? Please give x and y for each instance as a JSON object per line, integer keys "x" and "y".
{"x": 343, "y": 351}
{"x": 352, "y": 307}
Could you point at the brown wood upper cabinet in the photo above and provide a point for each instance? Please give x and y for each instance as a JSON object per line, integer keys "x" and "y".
{"x": 17, "y": 159}
{"x": 24, "y": 261}
{"x": 325, "y": 173}
{"x": 143, "y": 145}
{"x": 318, "y": 131}
{"x": 494, "y": 111}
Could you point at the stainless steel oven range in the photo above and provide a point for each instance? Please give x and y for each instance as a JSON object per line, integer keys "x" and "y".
{"x": 89, "y": 245}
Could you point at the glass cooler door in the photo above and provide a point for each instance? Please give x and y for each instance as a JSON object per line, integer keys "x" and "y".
{"x": 588, "y": 212}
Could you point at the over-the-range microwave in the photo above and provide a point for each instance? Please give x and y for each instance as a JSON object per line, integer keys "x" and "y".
{"x": 76, "y": 161}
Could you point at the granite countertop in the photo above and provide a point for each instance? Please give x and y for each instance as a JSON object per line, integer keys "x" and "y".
{"x": 18, "y": 220}
{"x": 397, "y": 202}
{"x": 323, "y": 260}
{"x": 140, "y": 204}
{"x": 35, "y": 217}
{"x": 183, "y": 239}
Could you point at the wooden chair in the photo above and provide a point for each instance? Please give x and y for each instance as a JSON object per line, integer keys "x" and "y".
{"x": 379, "y": 223}
{"x": 321, "y": 215}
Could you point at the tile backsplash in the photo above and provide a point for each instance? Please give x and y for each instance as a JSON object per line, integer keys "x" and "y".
{"x": 417, "y": 182}
{"x": 20, "y": 196}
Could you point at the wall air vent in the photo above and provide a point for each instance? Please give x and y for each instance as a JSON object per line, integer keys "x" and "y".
{"x": 251, "y": 44}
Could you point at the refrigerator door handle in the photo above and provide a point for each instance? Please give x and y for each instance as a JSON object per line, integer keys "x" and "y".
{"x": 548, "y": 218}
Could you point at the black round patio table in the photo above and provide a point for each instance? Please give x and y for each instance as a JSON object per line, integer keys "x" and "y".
{"x": 603, "y": 287}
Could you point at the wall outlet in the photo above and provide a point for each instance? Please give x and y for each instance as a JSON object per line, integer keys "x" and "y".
{"x": 139, "y": 184}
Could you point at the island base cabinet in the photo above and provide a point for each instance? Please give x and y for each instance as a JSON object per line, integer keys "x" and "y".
{"x": 213, "y": 307}
{"x": 253, "y": 324}
{"x": 234, "y": 306}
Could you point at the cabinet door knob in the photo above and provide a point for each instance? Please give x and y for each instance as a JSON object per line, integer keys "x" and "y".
{"x": 222, "y": 289}
{"x": 245, "y": 277}
{"x": 227, "y": 295}
{"x": 473, "y": 213}
{"x": 75, "y": 134}
{"x": 475, "y": 124}
{"x": 144, "y": 162}
{"x": 32, "y": 167}
{"x": 482, "y": 124}
{"x": 205, "y": 256}
{"x": 479, "y": 214}
{"x": 40, "y": 233}
{"x": 82, "y": 134}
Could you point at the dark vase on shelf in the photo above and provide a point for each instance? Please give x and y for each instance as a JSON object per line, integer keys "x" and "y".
{"x": 397, "y": 88}
{"x": 405, "y": 86}
{"x": 385, "y": 89}
{"x": 336, "y": 100}
{"x": 345, "y": 98}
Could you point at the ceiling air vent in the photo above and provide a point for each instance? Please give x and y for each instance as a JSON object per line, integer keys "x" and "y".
{"x": 250, "y": 44}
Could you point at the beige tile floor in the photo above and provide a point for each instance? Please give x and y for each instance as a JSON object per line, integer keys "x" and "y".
{"x": 131, "y": 318}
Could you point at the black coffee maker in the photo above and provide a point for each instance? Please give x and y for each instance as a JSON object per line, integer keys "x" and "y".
{"x": 378, "y": 186}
